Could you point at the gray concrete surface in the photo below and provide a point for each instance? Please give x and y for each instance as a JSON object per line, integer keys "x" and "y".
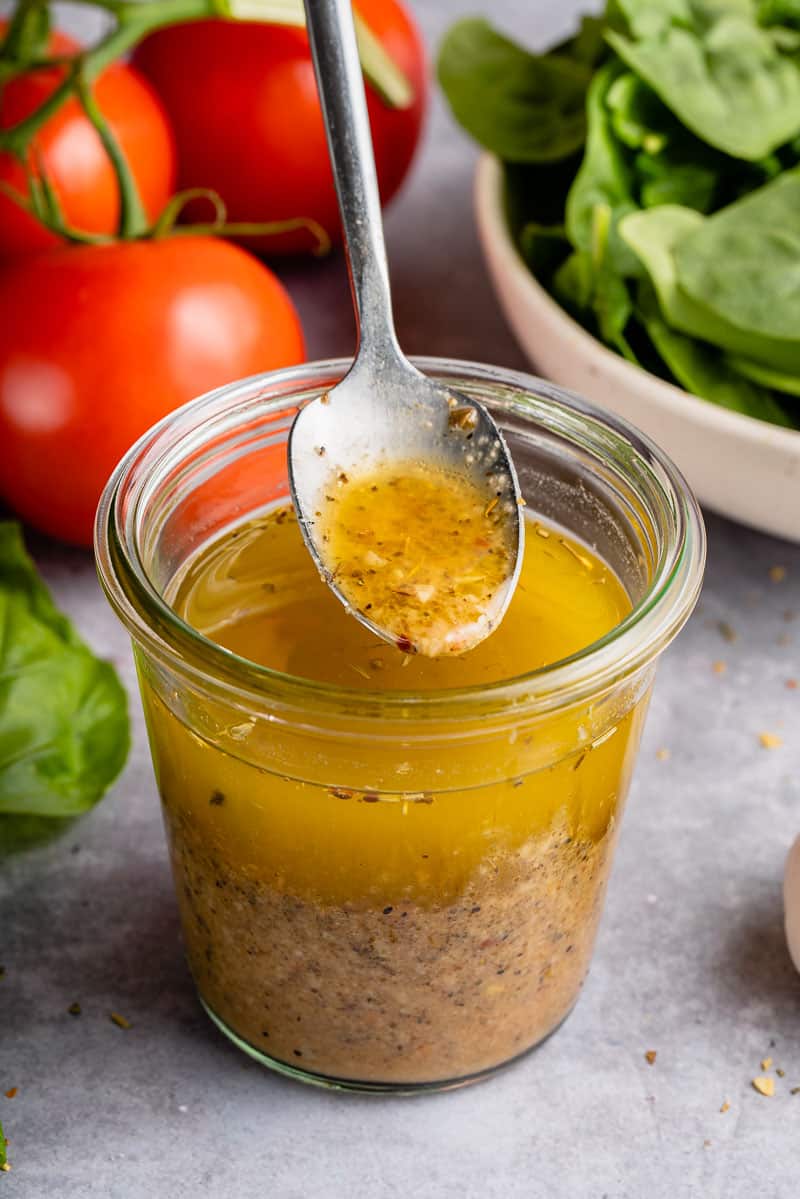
{"x": 691, "y": 960}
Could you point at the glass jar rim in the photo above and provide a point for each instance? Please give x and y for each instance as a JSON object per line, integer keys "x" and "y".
{"x": 646, "y": 630}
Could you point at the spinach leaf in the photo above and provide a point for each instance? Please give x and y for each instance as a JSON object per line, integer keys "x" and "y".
{"x": 523, "y": 107}
{"x": 544, "y": 248}
{"x": 664, "y": 181}
{"x": 713, "y": 65}
{"x": 657, "y": 236}
{"x": 63, "y": 713}
{"x": 611, "y": 300}
{"x": 704, "y": 371}
{"x": 588, "y": 45}
{"x": 765, "y": 375}
{"x": 779, "y": 12}
{"x": 604, "y": 178}
{"x": 742, "y": 267}
{"x": 638, "y": 118}
{"x": 593, "y": 290}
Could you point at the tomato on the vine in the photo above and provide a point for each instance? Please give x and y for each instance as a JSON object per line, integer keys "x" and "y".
{"x": 243, "y": 104}
{"x": 99, "y": 342}
{"x": 72, "y": 155}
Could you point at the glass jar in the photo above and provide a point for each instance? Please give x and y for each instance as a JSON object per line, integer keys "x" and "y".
{"x": 392, "y": 891}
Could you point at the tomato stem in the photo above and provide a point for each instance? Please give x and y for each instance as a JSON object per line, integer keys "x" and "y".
{"x": 165, "y": 226}
{"x": 23, "y": 50}
{"x": 27, "y": 32}
{"x": 133, "y": 220}
{"x": 134, "y": 20}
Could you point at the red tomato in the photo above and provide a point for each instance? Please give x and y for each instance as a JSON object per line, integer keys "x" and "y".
{"x": 99, "y": 342}
{"x": 248, "y": 123}
{"x": 74, "y": 158}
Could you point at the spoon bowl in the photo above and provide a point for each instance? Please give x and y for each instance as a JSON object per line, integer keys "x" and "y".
{"x": 351, "y": 432}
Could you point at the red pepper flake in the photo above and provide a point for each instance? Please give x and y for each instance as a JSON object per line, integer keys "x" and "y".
{"x": 650, "y": 1056}
{"x": 405, "y": 645}
{"x": 370, "y": 797}
{"x": 12, "y": 1092}
{"x": 792, "y": 684}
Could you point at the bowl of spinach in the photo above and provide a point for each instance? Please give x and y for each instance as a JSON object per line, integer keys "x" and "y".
{"x": 639, "y": 207}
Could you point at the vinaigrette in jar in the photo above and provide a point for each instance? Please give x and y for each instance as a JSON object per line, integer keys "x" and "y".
{"x": 394, "y": 910}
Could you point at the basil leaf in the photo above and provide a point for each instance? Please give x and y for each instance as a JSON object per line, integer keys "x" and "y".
{"x": 713, "y": 65}
{"x": 604, "y": 178}
{"x": 523, "y": 107}
{"x": 63, "y": 713}
{"x": 702, "y": 370}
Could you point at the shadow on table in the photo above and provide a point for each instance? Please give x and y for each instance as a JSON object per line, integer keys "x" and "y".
{"x": 754, "y": 966}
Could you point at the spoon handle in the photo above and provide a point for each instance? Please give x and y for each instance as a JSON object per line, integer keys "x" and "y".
{"x": 331, "y": 32}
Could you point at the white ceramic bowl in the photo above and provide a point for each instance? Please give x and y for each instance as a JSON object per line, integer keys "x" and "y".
{"x": 740, "y": 467}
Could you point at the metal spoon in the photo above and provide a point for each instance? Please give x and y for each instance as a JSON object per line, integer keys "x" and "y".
{"x": 384, "y": 410}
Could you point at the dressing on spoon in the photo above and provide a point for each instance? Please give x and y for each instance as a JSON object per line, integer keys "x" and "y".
{"x": 420, "y": 551}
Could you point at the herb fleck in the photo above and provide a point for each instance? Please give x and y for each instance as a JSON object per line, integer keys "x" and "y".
{"x": 217, "y": 799}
